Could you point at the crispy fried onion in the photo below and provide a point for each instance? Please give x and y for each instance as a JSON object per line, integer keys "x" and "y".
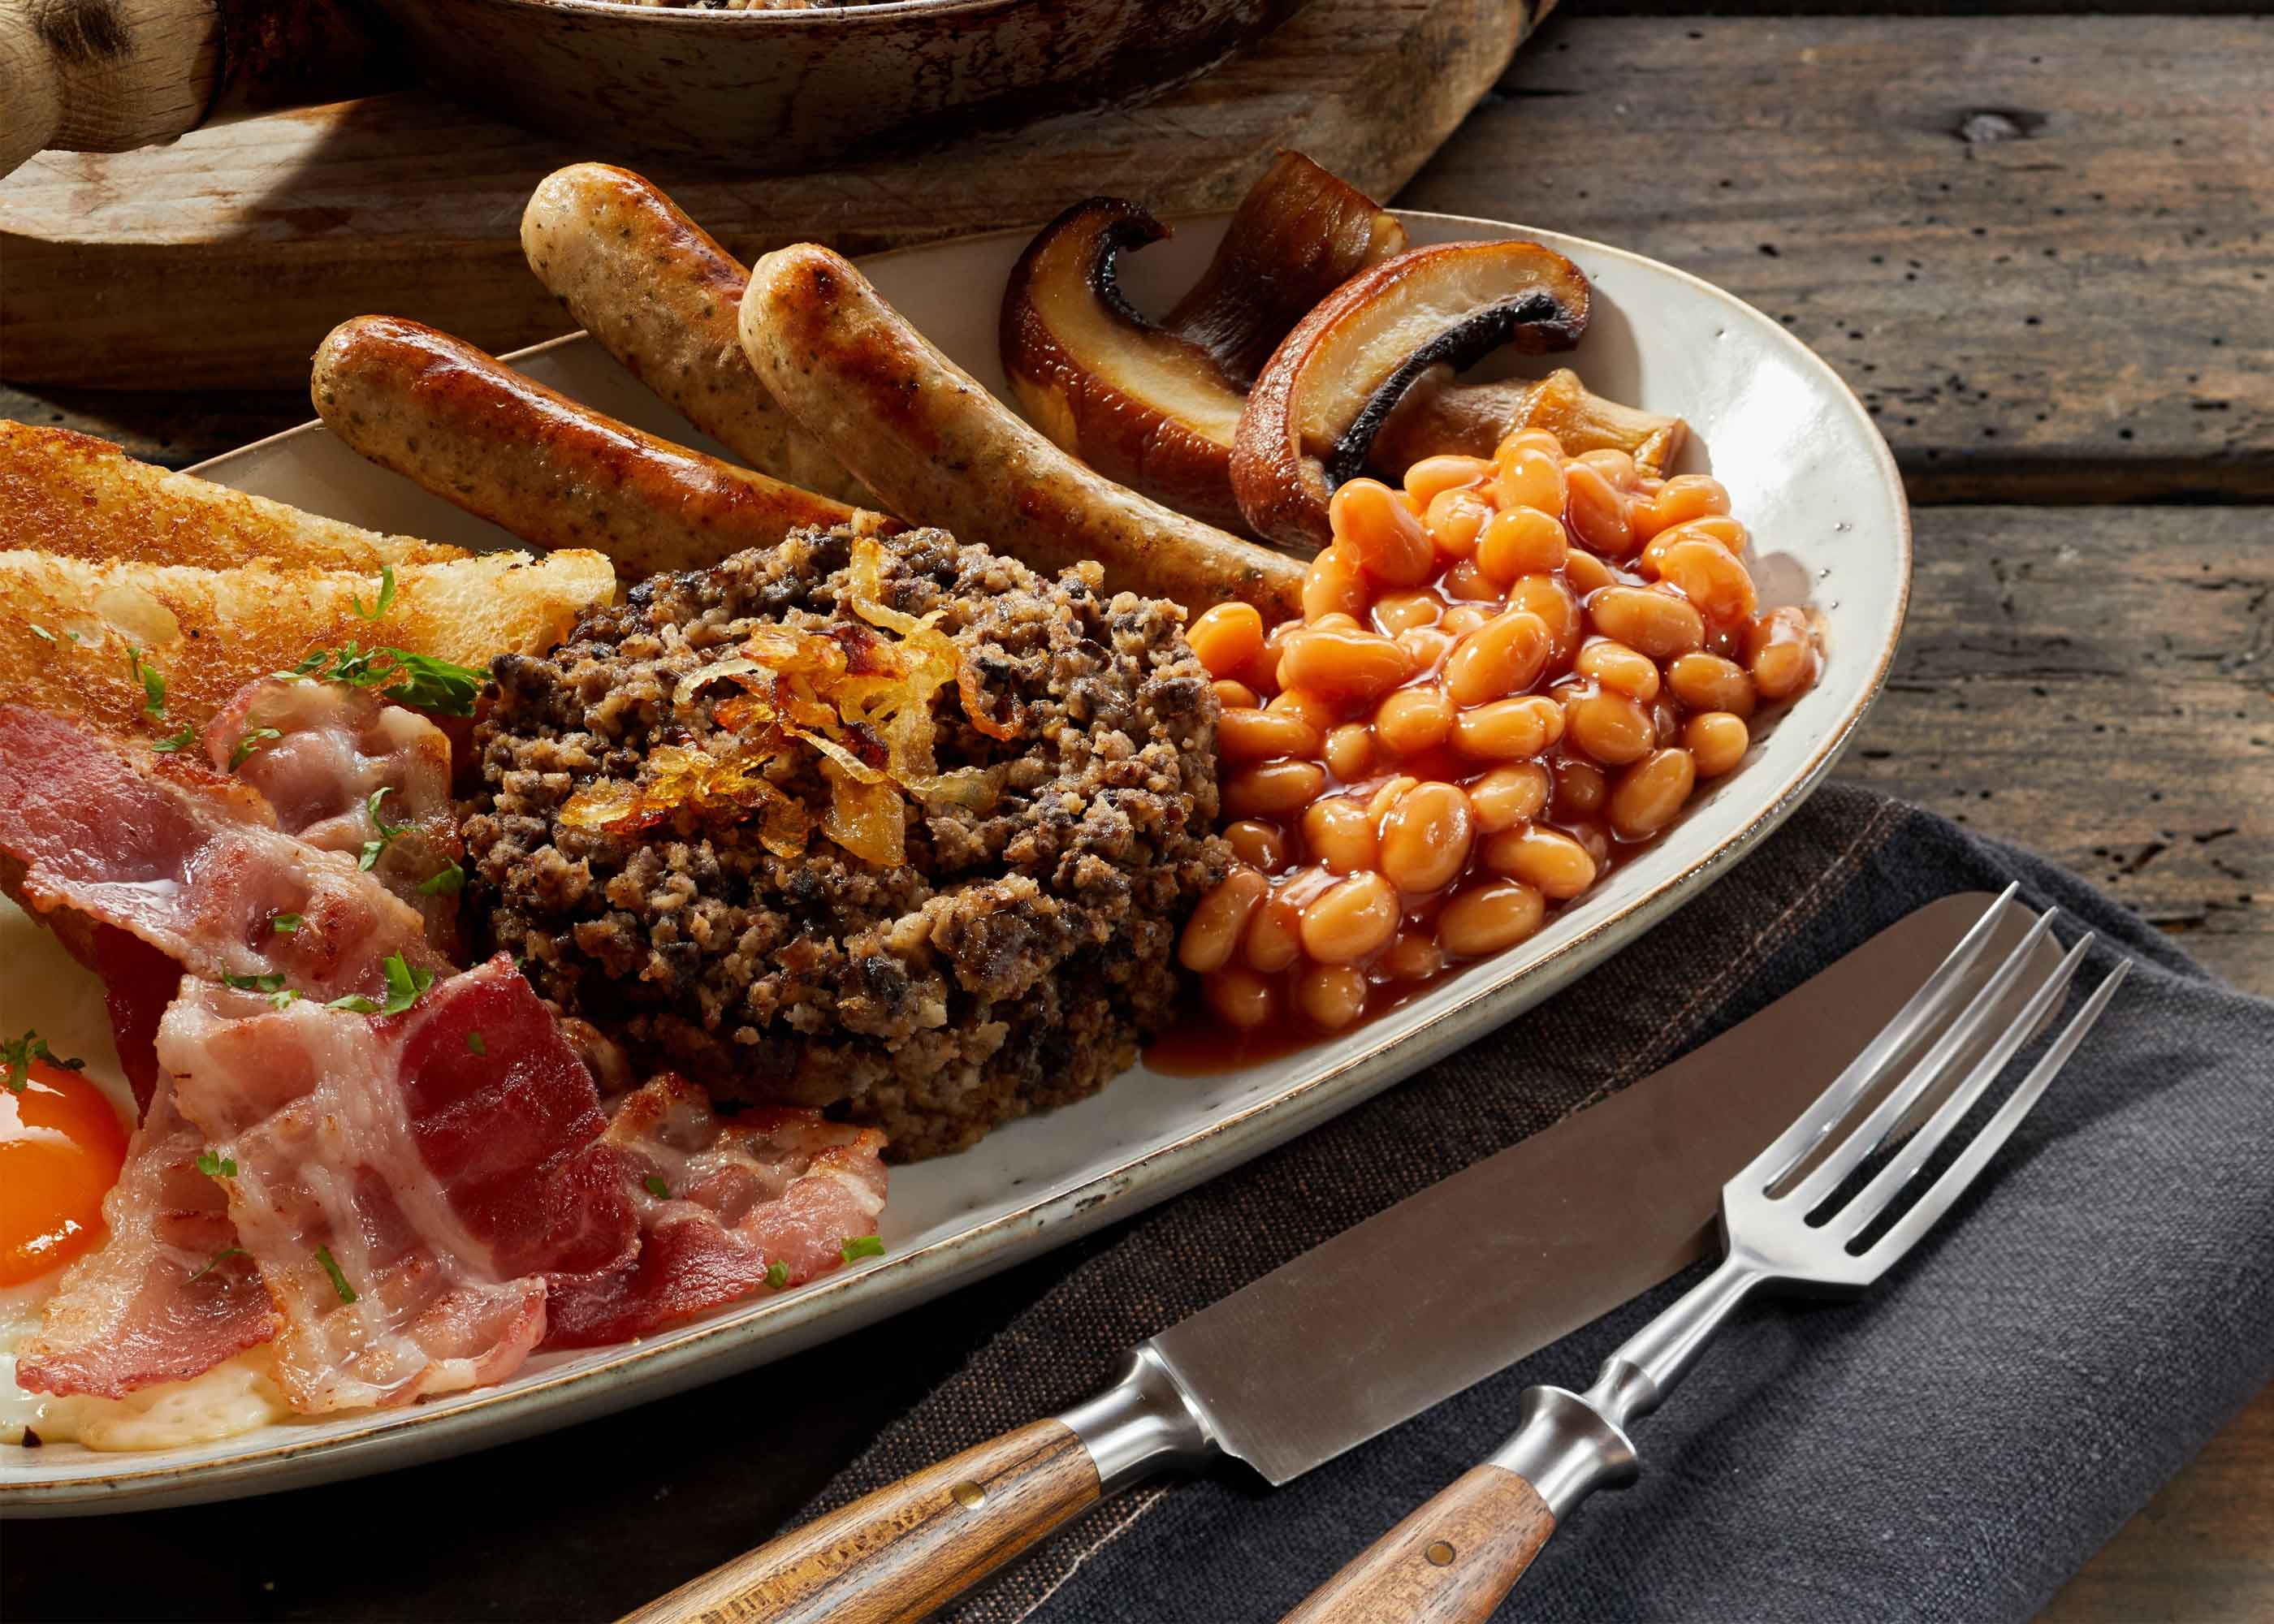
{"x": 861, "y": 700}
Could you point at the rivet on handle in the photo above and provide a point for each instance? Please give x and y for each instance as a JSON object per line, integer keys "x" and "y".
{"x": 968, "y": 1495}
{"x": 1439, "y": 1554}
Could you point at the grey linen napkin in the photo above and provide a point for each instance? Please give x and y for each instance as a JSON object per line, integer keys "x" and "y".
{"x": 1952, "y": 1447}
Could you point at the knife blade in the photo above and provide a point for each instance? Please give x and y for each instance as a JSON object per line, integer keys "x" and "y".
{"x": 1370, "y": 1327}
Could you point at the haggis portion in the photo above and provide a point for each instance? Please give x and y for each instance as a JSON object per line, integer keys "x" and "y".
{"x": 1011, "y": 959}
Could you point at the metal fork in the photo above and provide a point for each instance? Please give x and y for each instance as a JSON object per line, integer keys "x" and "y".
{"x": 1496, "y": 1517}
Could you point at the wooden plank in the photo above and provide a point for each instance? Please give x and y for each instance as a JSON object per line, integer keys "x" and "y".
{"x": 2096, "y": 684}
{"x": 222, "y": 259}
{"x": 2041, "y": 248}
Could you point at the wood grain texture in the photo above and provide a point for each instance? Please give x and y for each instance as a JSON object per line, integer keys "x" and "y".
{"x": 223, "y": 259}
{"x": 897, "y": 1553}
{"x": 1450, "y": 1561}
{"x": 2039, "y": 248}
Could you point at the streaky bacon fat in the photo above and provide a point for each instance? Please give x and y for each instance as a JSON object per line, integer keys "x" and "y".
{"x": 767, "y": 1186}
{"x": 190, "y": 862}
{"x": 334, "y": 746}
{"x": 433, "y": 1166}
{"x": 157, "y": 1301}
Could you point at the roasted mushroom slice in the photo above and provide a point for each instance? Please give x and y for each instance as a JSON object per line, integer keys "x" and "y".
{"x": 1297, "y": 235}
{"x": 1438, "y": 416}
{"x": 1137, "y": 404}
{"x": 1310, "y": 420}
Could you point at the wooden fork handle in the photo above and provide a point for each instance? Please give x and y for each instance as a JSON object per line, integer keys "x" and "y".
{"x": 905, "y": 1549}
{"x": 1452, "y": 1561}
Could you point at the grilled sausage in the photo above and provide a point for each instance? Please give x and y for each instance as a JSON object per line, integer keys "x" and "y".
{"x": 661, "y": 296}
{"x": 935, "y": 446}
{"x": 476, "y": 432}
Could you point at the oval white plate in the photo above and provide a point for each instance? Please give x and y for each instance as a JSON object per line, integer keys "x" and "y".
{"x": 1807, "y": 472}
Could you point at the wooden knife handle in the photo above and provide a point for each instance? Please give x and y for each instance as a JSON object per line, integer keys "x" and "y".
{"x": 110, "y": 75}
{"x": 1452, "y": 1561}
{"x": 905, "y": 1549}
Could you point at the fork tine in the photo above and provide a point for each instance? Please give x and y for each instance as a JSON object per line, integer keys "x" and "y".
{"x": 1871, "y": 1200}
{"x": 1871, "y": 1132}
{"x": 1947, "y": 1189}
{"x": 1788, "y": 1148}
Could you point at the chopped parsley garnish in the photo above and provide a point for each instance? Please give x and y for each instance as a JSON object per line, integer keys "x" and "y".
{"x": 214, "y": 1262}
{"x": 39, "y": 630}
{"x": 181, "y": 740}
{"x": 656, "y": 1187}
{"x": 286, "y": 924}
{"x": 347, "y": 1293}
{"x": 271, "y": 982}
{"x": 248, "y": 741}
{"x": 385, "y": 595}
{"x": 17, "y": 1055}
{"x": 153, "y": 682}
{"x": 387, "y": 831}
{"x": 354, "y": 1003}
{"x": 447, "y": 882}
{"x": 863, "y": 1246}
{"x": 405, "y": 982}
{"x": 408, "y": 679}
{"x": 212, "y": 1164}
{"x": 778, "y": 1273}
{"x": 477, "y": 1044}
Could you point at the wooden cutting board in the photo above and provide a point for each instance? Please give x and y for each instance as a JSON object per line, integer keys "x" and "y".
{"x": 223, "y": 259}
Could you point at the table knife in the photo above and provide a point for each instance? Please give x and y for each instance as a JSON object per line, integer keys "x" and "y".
{"x": 1370, "y": 1327}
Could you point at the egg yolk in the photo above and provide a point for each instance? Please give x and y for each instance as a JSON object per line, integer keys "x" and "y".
{"x": 61, "y": 1147}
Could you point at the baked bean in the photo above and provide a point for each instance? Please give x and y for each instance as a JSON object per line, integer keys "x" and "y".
{"x": 1717, "y": 741}
{"x": 1586, "y": 573}
{"x": 1433, "y": 477}
{"x": 1245, "y": 735}
{"x": 1521, "y": 541}
{"x": 1507, "y": 796}
{"x": 1780, "y": 653}
{"x": 1596, "y": 511}
{"x": 1336, "y": 582}
{"x": 1405, "y": 611}
{"x": 1231, "y": 695}
{"x": 1240, "y": 999}
{"x": 1261, "y": 674}
{"x": 1651, "y": 792}
{"x": 1413, "y": 955}
{"x": 1273, "y": 789}
{"x": 1351, "y": 920}
{"x": 1349, "y": 751}
{"x": 1332, "y": 995}
{"x": 1275, "y": 937}
{"x": 1710, "y": 576}
{"x": 1558, "y": 609}
{"x": 1215, "y": 926}
{"x": 1426, "y": 838}
{"x": 1679, "y": 500}
{"x": 1314, "y": 710}
{"x": 1413, "y": 718}
{"x": 1553, "y": 864}
{"x": 1464, "y": 618}
{"x": 1708, "y": 682}
{"x": 1488, "y": 915}
{"x": 1466, "y": 582}
{"x": 1610, "y": 728}
{"x": 1527, "y": 474}
{"x": 1720, "y": 529}
{"x": 1658, "y": 624}
{"x": 1343, "y": 663}
{"x": 1581, "y": 787}
{"x": 1385, "y": 794}
{"x": 1509, "y": 729}
{"x": 1226, "y": 637}
{"x": 1618, "y": 667}
{"x": 1455, "y": 519}
{"x": 1257, "y": 844}
{"x": 1615, "y": 466}
{"x": 1666, "y": 719}
{"x": 1392, "y": 546}
{"x": 1340, "y": 835}
{"x": 1425, "y": 648}
{"x": 1504, "y": 656}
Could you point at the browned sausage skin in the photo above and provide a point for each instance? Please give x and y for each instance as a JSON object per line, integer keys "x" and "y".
{"x": 478, "y": 434}
{"x": 661, "y": 296}
{"x": 931, "y": 442}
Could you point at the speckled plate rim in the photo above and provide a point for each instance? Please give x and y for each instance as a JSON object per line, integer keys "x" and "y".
{"x": 1354, "y": 1069}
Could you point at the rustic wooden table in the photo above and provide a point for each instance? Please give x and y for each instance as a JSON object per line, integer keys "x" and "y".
{"x": 2040, "y": 246}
